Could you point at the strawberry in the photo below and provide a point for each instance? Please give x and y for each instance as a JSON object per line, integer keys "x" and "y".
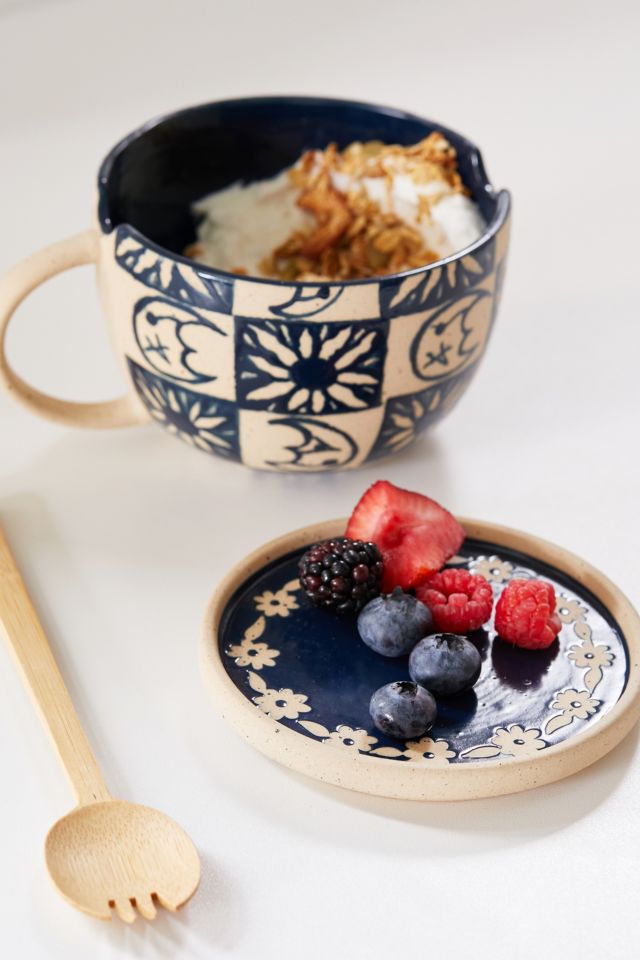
{"x": 415, "y": 535}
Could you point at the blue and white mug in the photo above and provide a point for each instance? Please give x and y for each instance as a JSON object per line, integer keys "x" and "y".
{"x": 277, "y": 375}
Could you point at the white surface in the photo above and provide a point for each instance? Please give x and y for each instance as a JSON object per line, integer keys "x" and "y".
{"x": 122, "y": 535}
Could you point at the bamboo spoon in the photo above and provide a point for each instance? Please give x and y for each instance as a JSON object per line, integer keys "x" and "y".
{"x": 106, "y": 854}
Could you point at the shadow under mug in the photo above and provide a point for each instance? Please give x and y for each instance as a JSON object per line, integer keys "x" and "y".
{"x": 277, "y": 375}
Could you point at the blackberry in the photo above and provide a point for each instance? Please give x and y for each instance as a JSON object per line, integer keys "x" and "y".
{"x": 341, "y": 574}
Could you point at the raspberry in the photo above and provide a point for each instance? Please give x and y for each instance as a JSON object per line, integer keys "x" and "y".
{"x": 341, "y": 574}
{"x": 459, "y": 601}
{"x": 525, "y": 614}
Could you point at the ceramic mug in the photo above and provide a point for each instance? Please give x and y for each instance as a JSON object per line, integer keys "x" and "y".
{"x": 278, "y": 375}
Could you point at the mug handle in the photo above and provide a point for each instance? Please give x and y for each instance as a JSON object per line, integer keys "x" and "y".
{"x": 15, "y": 286}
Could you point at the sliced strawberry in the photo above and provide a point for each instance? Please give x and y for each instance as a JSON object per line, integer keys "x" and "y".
{"x": 415, "y": 535}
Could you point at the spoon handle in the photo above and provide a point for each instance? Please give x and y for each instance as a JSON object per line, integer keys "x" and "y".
{"x": 43, "y": 679}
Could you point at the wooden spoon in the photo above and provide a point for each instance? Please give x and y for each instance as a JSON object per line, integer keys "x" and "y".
{"x": 106, "y": 854}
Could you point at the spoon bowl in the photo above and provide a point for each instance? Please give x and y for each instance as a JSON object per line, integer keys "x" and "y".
{"x": 121, "y": 856}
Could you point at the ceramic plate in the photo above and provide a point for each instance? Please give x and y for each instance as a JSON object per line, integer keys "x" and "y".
{"x": 296, "y": 682}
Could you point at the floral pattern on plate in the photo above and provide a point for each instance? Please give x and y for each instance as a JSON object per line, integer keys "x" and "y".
{"x": 323, "y": 677}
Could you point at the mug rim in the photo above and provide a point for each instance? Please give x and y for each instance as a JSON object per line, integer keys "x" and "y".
{"x": 502, "y": 197}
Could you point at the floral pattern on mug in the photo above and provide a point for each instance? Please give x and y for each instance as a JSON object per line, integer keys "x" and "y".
{"x": 403, "y": 420}
{"x": 437, "y": 286}
{"x": 175, "y": 279}
{"x": 407, "y": 416}
{"x": 314, "y": 368}
{"x": 199, "y": 421}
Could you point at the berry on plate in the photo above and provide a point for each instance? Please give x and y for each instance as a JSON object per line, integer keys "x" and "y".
{"x": 445, "y": 664}
{"x": 526, "y": 614}
{"x": 403, "y": 709}
{"x": 459, "y": 601}
{"x": 393, "y": 624}
{"x": 416, "y": 536}
{"x": 341, "y": 574}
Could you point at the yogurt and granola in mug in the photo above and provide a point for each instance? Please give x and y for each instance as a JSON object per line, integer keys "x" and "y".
{"x": 368, "y": 210}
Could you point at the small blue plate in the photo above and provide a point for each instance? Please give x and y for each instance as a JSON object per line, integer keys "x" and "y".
{"x": 297, "y": 681}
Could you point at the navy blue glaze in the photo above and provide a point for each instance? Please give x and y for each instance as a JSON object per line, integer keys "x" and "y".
{"x": 322, "y": 657}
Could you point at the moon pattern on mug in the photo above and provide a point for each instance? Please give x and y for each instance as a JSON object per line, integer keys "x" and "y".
{"x": 453, "y": 337}
{"x": 307, "y": 302}
{"x": 313, "y": 445}
{"x": 179, "y": 342}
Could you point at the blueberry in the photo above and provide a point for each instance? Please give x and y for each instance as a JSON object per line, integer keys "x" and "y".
{"x": 445, "y": 664}
{"x": 403, "y": 709}
{"x": 393, "y": 624}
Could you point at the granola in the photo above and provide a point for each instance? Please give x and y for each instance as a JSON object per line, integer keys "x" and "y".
{"x": 368, "y": 210}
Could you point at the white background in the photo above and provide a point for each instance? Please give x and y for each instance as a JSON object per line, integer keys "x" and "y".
{"x": 123, "y": 535}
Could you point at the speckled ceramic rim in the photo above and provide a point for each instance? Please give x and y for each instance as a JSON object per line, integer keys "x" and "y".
{"x": 405, "y": 781}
